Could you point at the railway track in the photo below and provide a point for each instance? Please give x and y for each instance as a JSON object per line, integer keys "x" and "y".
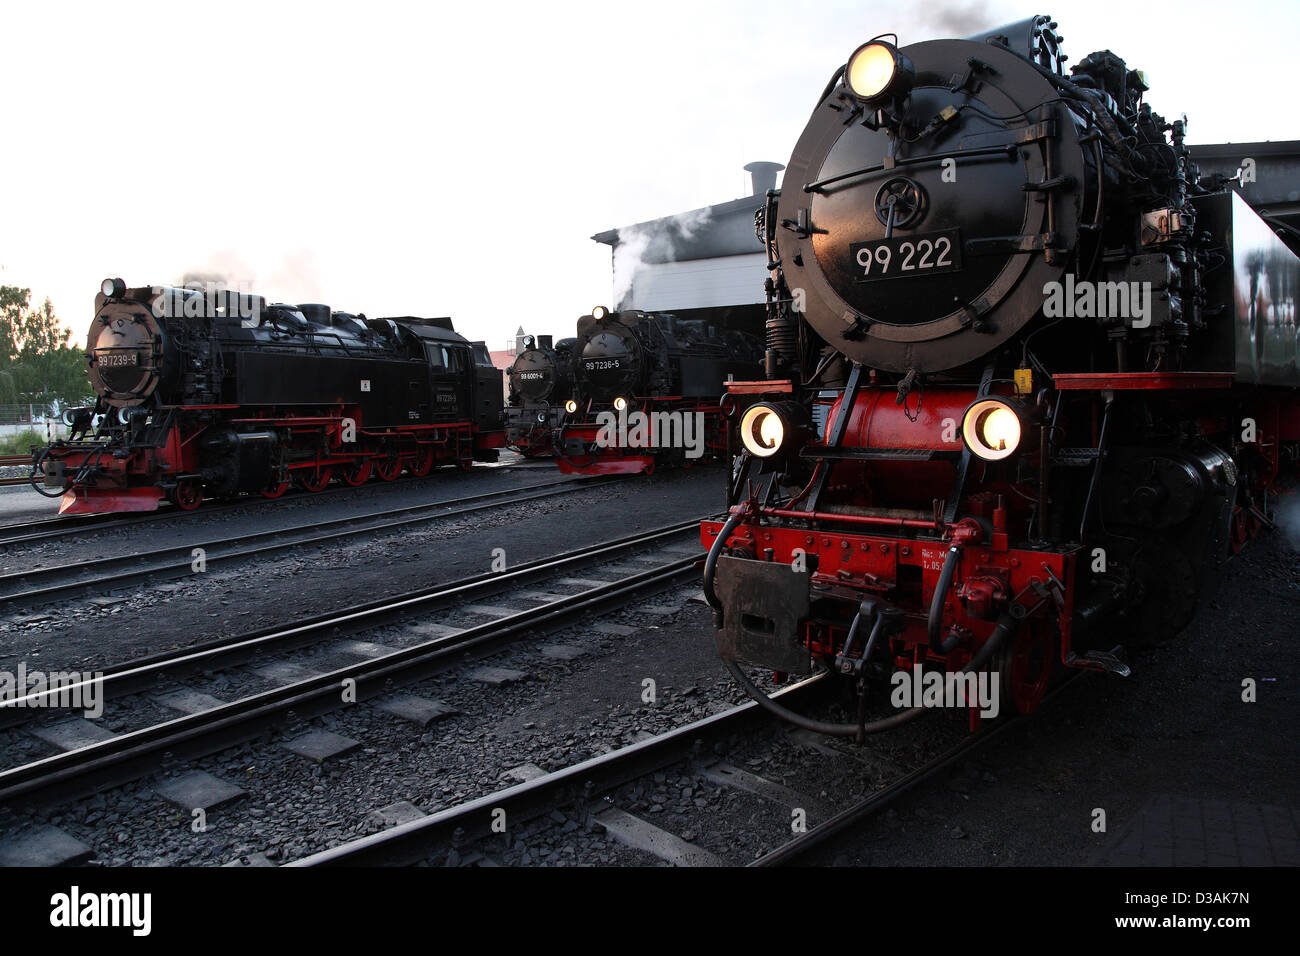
{"x": 581, "y": 783}
{"x": 14, "y": 461}
{"x": 53, "y": 528}
{"x": 128, "y": 755}
{"x": 35, "y": 586}
{"x": 587, "y": 792}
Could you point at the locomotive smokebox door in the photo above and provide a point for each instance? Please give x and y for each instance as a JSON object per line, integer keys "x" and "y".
{"x": 764, "y": 604}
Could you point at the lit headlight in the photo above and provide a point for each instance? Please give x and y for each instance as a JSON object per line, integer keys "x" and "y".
{"x": 771, "y": 428}
{"x": 877, "y": 71}
{"x": 570, "y": 406}
{"x": 991, "y": 428}
{"x": 620, "y": 403}
{"x": 112, "y": 287}
{"x": 599, "y": 312}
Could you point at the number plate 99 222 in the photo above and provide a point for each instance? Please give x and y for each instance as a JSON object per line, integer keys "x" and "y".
{"x": 912, "y": 255}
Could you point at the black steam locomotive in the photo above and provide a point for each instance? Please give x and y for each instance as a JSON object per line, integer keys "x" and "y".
{"x": 541, "y": 385}
{"x": 1029, "y": 380}
{"x": 647, "y": 386}
{"x": 204, "y": 391}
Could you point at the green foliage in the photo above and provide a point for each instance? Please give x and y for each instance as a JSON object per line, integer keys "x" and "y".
{"x": 38, "y": 363}
{"x": 22, "y": 442}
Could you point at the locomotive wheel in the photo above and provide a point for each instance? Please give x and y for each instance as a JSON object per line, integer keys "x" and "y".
{"x": 275, "y": 490}
{"x": 1027, "y": 667}
{"x": 422, "y": 464}
{"x": 188, "y": 494}
{"x": 358, "y": 474}
{"x": 388, "y": 468}
{"x": 314, "y": 481}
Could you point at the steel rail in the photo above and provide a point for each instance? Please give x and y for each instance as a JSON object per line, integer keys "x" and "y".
{"x": 141, "y": 673}
{"x": 129, "y": 755}
{"x": 796, "y": 849}
{"x": 182, "y": 556}
{"x": 60, "y": 526}
{"x": 412, "y": 841}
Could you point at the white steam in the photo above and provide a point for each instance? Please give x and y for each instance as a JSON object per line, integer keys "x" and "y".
{"x": 658, "y": 241}
{"x": 294, "y": 280}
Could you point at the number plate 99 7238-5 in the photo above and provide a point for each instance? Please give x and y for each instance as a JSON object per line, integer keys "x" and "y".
{"x": 913, "y": 255}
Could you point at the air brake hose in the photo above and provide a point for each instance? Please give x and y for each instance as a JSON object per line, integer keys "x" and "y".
{"x": 1006, "y": 626}
{"x": 36, "y": 473}
{"x": 941, "y": 589}
{"x": 711, "y": 563}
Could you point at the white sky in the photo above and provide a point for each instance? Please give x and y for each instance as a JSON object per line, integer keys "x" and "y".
{"x": 454, "y": 159}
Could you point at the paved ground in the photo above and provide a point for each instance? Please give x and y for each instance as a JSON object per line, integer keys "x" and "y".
{"x": 1185, "y": 771}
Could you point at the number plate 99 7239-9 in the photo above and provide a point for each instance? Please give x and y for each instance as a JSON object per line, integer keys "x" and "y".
{"x": 913, "y": 255}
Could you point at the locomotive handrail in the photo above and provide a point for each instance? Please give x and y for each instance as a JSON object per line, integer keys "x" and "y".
{"x": 1010, "y": 150}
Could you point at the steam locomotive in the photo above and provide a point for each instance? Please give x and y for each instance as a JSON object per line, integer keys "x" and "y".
{"x": 1028, "y": 381}
{"x": 647, "y": 388}
{"x": 541, "y": 383}
{"x": 205, "y": 391}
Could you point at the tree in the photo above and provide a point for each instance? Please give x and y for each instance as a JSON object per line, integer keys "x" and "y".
{"x": 38, "y": 362}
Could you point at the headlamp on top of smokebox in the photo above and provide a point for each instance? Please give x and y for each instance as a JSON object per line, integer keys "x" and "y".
{"x": 993, "y": 427}
{"x": 599, "y": 312}
{"x": 113, "y": 288}
{"x": 774, "y": 430}
{"x": 879, "y": 75}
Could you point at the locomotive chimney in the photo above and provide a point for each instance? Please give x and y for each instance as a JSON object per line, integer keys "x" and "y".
{"x": 762, "y": 176}
{"x": 544, "y": 341}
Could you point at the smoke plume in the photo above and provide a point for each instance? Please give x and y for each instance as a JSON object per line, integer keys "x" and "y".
{"x": 956, "y": 19}
{"x": 295, "y": 279}
{"x": 654, "y": 242}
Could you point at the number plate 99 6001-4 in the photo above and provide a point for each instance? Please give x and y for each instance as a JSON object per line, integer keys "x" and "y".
{"x": 912, "y": 255}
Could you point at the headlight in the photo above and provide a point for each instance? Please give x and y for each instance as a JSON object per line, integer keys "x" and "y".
{"x": 877, "y": 71}
{"x": 570, "y": 406}
{"x": 599, "y": 312}
{"x": 112, "y": 287}
{"x": 620, "y": 403}
{"x": 528, "y": 341}
{"x": 991, "y": 428}
{"x": 769, "y": 428}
